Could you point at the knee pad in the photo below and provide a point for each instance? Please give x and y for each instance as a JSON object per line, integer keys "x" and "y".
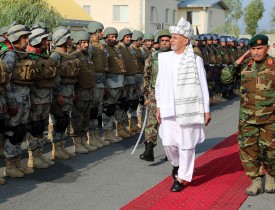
{"x": 109, "y": 110}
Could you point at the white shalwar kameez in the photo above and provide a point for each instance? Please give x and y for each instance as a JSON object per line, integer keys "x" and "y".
{"x": 179, "y": 141}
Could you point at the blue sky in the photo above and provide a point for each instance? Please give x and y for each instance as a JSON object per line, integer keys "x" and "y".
{"x": 264, "y": 23}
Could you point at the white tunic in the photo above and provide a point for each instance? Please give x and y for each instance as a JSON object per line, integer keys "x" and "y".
{"x": 173, "y": 134}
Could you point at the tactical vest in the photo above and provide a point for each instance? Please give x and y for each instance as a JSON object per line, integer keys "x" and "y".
{"x": 257, "y": 92}
{"x": 218, "y": 55}
{"x": 47, "y": 67}
{"x": 211, "y": 55}
{"x": 197, "y": 51}
{"x": 147, "y": 51}
{"x": 99, "y": 58}
{"x": 225, "y": 56}
{"x": 4, "y": 73}
{"x": 115, "y": 61}
{"x": 140, "y": 59}
{"x": 68, "y": 69}
{"x": 25, "y": 71}
{"x": 86, "y": 77}
{"x": 204, "y": 55}
{"x": 130, "y": 64}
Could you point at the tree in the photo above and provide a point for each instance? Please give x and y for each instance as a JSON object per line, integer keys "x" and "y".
{"x": 232, "y": 16}
{"x": 252, "y": 14}
{"x": 28, "y": 12}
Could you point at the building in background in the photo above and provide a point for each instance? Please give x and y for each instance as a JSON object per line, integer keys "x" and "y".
{"x": 75, "y": 16}
{"x": 205, "y": 15}
{"x": 145, "y": 15}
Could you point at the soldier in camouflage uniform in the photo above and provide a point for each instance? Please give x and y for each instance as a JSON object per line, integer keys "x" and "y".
{"x": 257, "y": 119}
{"x": 148, "y": 89}
{"x": 80, "y": 114}
{"x": 22, "y": 76}
{"x": 241, "y": 48}
{"x": 113, "y": 85}
{"x": 126, "y": 99}
{"x": 195, "y": 40}
{"x": 40, "y": 97}
{"x": 147, "y": 44}
{"x": 99, "y": 56}
{"x": 137, "y": 107}
{"x": 63, "y": 93}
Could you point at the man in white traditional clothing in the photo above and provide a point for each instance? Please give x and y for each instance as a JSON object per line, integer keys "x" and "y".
{"x": 182, "y": 103}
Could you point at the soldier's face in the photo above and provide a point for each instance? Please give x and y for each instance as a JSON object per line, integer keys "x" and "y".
{"x": 258, "y": 53}
{"x": 210, "y": 41}
{"x": 23, "y": 42}
{"x": 149, "y": 43}
{"x": 69, "y": 41}
{"x": 44, "y": 42}
{"x": 127, "y": 40}
{"x": 223, "y": 44}
{"x": 100, "y": 33}
{"x": 84, "y": 45}
{"x": 139, "y": 42}
{"x": 241, "y": 44}
{"x": 112, "y": 39}
{"x": 215, "y": 42}
{"x": 164, "y": 43}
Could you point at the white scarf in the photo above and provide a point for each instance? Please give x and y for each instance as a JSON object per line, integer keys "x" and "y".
{"x": 189, "y": 98}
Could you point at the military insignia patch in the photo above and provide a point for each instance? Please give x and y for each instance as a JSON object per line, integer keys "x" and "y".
{"x": 259, "y": 41}
{"x": 269, "y": 62}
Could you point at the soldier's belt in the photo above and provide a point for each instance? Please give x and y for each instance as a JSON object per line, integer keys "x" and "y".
{"x": 211, "y": 64}
{"x": 224, "y": 65}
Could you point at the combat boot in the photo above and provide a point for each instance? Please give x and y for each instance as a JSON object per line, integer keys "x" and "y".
{"x": 11, "y": 170}
{"x": 116, "y": 137}
{"x": 87, "y": 146}
{"x": 57, "y": 152}
{"x": 269, "y": 183}
{"x": 101, "y": 140}
{"x": 41, "y": 156}
{"x": 50, "y": 132}
{"x": 78, "y": 147}
{"x": 132, "y": 126}
{"x": 2, "y": 181}
{"x": 65, "y": 151}
{"x": 121, "y": 131}
{"x": 140, "y": 122}
{"x": 2, "y": 154}
{"x": 92, "y": 141}
{"x": 35, "y": 161}
{"x": 108, "y": 136}
{"x": 148, "y": 154}
{"x": 256, "y": 187}
{"x": 24, "y": 169}
{"x": 219, "y": 98}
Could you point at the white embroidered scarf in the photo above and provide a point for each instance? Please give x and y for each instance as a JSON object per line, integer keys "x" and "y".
{"x": 188, "y": 99}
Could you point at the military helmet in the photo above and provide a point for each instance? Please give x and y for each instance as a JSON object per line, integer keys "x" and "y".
{"x": 16, "y": 31}
{"x": 81, "y": 36}
{"x": 202, "y": 37}
{"x": 94, "y": 26}
{"x": 58, "y": 27}
{"x": 39, "y": 25}
{"x": 50, "y": 37}
{"x": 195, "y": 37}
{"x": 37, "y": 35}
{"x": 109, "y": 31}
{"x": 60, "y": 36}
{"x": 4, "y": 30}
{"x": 148, "y": 36}
{"x": 156, "y": 35}
{"x": 122, "y": 33}
{"x": 216, "y": 37}
{"x": 137, "y": 35}
{"x": 162, "y": 33}
{"x": 246, "y": 41}
{"x": 223, "y": 39}
{"x": 209, "y": 37}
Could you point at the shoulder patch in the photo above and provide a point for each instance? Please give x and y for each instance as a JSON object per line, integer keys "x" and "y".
{"x": 269, "y": 61}
{"x": 250, "y": 62}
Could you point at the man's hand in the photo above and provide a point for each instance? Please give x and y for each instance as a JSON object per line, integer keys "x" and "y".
{"x": 60, "y": 100}
{"x": 12, "y": 110}
{"x": 146, "y": 102}
{"x": 243, "y": 57}
{"x": 207, "y": 118}
{"x": 158, "y": 115}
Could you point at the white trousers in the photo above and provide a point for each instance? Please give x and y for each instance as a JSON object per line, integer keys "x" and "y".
{"x": 184, "y": 158}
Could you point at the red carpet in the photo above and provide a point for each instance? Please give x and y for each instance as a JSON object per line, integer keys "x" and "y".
{"x": 219, "y": 182}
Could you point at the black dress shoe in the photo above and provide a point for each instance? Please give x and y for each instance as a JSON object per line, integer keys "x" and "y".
{"x": 175, "y": 172}
{"x": 177, "y": 186}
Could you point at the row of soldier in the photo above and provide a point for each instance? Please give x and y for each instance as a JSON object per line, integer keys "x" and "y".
{"x": 80, "y": 80}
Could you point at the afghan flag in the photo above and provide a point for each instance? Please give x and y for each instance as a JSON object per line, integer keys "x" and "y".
{"x": 5, "y": 45}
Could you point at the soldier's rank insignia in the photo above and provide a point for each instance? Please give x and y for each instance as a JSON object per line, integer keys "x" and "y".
{"x": 269, "y": 62}
{"x": 259, "y": 41}
{"x": 250, "y": 63}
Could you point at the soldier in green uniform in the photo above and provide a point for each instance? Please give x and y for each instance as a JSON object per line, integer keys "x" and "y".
{"x": 256, "y": 70}
{"x": 148, "y": 89}
{"x": 147, "y": 44}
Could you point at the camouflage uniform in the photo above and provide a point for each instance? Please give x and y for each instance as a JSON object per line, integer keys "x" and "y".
{"x": 257, "y": 119}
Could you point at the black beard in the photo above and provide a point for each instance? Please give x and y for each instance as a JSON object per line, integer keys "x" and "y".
{"x": 112, "y": 43}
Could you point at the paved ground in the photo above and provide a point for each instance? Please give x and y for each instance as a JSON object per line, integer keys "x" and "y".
{"x": 111, "y": 177}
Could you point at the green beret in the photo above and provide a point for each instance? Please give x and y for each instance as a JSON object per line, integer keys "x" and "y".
{"x": 258, "y": 40}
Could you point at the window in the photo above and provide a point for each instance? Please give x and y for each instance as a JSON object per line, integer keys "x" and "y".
{"x": 166, "y": 15}
{"x": 87, "y": 8}
{"x": 152, "y": 15}
{"x": 174, "y": 16}
{"x": 120, "y": 13}
{"x": 193, "y": 17}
